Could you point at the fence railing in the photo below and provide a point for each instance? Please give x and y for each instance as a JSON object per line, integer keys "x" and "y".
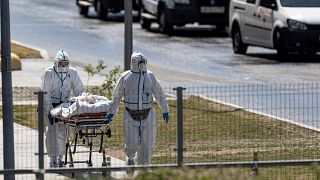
{"x": 248, "y": 125}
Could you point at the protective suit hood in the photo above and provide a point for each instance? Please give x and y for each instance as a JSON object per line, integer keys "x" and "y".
{"x": 138, "y": 62}
{"x": 61, "y": 56}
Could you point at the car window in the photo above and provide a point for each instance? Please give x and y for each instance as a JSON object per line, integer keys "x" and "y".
{"x": 251, "y": 1}
{"x": 300, "y": 3}
{"x": 267, "y": 3}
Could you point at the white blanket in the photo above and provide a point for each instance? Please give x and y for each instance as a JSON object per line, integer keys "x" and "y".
{"x": 79, "y": 107}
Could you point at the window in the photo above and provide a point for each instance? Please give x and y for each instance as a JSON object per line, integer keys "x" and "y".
{"x": 268, "y": 3}
{"x": 300, "y": 3}
{"x": 251, "y": 1}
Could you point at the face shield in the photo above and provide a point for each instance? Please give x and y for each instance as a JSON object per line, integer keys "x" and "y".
{"x": 61, "y": 62}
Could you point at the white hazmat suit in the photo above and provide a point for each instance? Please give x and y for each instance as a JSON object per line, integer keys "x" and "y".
{"x": 138, "y": 86}
{"x": 58, "y": 81}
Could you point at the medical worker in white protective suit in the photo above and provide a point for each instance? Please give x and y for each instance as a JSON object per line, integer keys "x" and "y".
{"x": 58, "y": 81}
{"x": 138, "y": 86}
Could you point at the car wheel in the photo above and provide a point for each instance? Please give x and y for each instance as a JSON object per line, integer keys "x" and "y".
{"x": 83, "y": 10}
{"x": 238, "y": 46}
{"x": 102, "y": 12}
{"x": 280, "y": 45}
{"x": 164, "y": 25}
{"x": 144, "y": 22}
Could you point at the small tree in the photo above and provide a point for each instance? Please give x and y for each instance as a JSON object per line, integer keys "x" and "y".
{"x": 110, "y": 82}
{"x": 110, "y": 78}
{"x": 91, "y": 71}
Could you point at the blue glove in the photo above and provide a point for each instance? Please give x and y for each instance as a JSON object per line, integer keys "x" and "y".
{"x": 109, "y": 117}
{"x": 165, "y": 117}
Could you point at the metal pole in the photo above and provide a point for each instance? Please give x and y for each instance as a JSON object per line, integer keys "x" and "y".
{"x": 40, "y": 133}
{"x": 127, "y": 33}
{"x": 7, "y": 105}
{"x": 180, "y": 125}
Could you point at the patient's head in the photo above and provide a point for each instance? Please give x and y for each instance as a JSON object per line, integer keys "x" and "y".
{"x": 90, "y": 99}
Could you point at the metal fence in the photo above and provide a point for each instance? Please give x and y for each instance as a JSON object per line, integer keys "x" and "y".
{"x": 243, "y": 125}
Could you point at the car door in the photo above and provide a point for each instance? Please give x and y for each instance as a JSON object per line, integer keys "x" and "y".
{"x": 251, "y": 32}
{"x": 266, "y": 11}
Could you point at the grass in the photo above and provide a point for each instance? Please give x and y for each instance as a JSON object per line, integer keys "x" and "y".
{"x": 24, "y": 52}
{"x": 280, "y": 173}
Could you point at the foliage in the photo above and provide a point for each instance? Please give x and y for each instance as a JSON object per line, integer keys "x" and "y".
{"x": 91, "y": 71}
{"x": 110, "y": 78}
{"x": 109, "y": 82}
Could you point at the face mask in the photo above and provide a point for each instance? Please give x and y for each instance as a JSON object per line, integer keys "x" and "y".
{"x": 63, "y": 69}
{"x": 142, "y": 67}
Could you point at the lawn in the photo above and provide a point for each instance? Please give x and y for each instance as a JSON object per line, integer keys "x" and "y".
{"x": 24, "y": 52}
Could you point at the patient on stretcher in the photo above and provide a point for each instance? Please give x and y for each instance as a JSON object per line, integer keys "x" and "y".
{"x": 90, "y": 99}
{"x": 84, "y": 104}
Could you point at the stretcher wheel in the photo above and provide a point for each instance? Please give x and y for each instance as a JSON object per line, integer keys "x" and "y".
{"x": 89, "y": 163}
{"x": 109, "y": 133}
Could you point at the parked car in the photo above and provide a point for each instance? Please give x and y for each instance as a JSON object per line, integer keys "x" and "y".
{"x": 168, "y": 13}
{"x": 102, "y": 7}
{"x": 285, "y": 25}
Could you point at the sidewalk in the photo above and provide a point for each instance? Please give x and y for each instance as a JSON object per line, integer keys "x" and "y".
{"x": 32, "y": 69}
{"x": 26, "y": 150}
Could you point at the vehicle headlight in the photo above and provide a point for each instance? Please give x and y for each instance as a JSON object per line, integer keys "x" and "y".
{"x": 170, "y": 4}
{"x": 296, "y": 25}
{"x": 182, "y": 1}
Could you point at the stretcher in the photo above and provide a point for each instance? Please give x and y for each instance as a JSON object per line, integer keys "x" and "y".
{"x": 86, "y": 129}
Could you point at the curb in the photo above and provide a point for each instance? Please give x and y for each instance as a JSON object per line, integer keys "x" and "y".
{"x": 15, "y": 62}
{"x": 43, "y": 52}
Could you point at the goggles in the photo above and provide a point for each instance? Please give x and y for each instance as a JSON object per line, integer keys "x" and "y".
{"x": 63, "y": 63}
{"x": 142, "y": 61}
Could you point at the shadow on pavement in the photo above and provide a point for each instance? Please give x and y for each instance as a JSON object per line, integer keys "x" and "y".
{"x": 291, "y": 58}
{"x": 194, "y": 31}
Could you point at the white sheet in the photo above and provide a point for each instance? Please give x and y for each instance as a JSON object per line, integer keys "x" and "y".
{"x": 79, "y": 107}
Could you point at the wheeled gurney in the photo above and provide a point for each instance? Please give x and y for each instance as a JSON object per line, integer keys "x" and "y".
{"x": 86, "y": 128}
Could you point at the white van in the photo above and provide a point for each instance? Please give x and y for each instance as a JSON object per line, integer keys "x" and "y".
{"x": 284, "y": 25}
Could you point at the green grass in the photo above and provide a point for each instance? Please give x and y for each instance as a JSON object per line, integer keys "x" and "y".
{"x": 275, "y": 173}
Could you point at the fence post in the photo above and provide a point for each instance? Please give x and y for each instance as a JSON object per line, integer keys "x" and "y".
{"x": 179, "y": 125}
{"x": 7, "y": 101}
{"x": 255, "y": 163}
{"x": 40, "y": 175}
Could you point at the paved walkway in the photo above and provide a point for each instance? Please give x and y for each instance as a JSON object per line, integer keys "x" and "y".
{"x": 30, "y": 75}
{"x": 26, "y": 149}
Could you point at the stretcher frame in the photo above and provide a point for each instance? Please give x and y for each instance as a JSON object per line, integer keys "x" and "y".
{"x": 87, "y": 127}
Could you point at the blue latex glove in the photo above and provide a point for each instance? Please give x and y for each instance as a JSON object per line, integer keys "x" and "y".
{"x": 109, "y": 117}
{"x": 165, "y": 117}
